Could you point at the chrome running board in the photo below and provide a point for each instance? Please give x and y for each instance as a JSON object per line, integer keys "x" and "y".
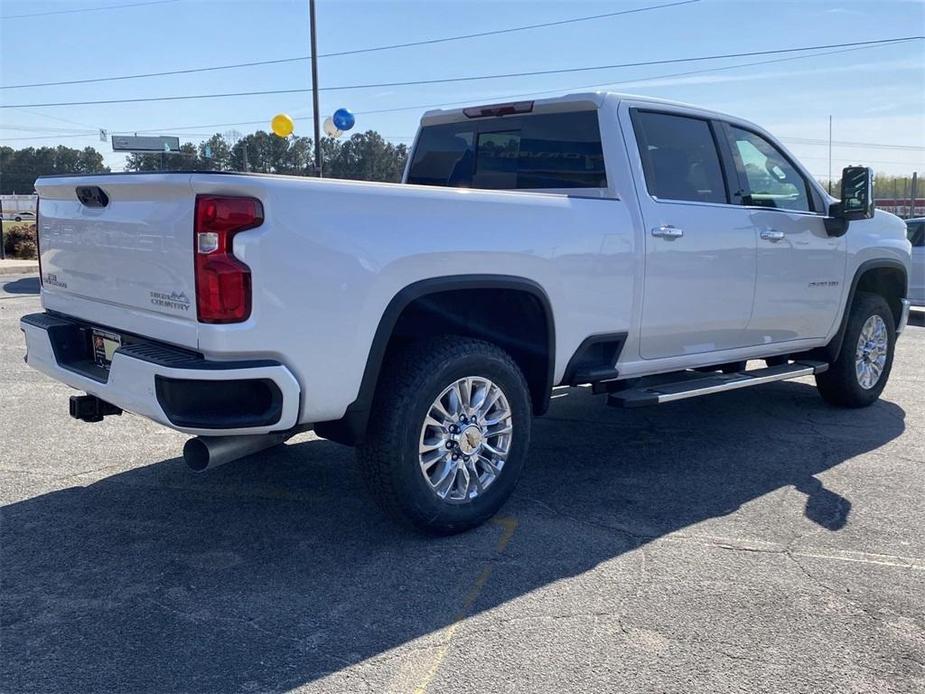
{"x": 703, "y": 384}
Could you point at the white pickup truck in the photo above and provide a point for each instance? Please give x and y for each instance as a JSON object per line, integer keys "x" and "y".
{"x": 647, "y": 248}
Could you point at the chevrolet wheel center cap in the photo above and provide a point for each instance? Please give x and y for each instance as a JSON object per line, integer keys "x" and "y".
{"x": 470, "y": 440}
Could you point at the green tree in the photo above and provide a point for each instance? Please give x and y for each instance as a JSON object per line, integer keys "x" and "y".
{"x": 263, "y": 152}
{"x": 187, "y": 159}
{"x": 20, "y": 167}
{"x": 367, "y": 157}
{"x": 90, "y": 161}
{"x": 215, "y": 154}
{"x": 364, "y": 156}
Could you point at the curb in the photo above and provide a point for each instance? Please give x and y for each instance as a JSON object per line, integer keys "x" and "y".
{"x": 32, "y": 269}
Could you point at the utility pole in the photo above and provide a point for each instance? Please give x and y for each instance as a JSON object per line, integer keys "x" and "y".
{"x": 317, "y": 119}
{"x": 915, "y": 176}
{"x": 830, "y": 154}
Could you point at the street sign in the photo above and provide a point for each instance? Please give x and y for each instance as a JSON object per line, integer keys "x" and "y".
{"x": 150, "y": 143}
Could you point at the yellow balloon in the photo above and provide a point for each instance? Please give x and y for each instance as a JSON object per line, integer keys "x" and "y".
{"x": 282, "y": 125}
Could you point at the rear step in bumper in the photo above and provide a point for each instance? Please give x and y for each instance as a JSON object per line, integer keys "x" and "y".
{"x": 176, "y": 388}
{"x": 701, "y": 384}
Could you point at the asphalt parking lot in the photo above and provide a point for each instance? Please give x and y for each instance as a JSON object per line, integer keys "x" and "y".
{"x": 752, "y": 541}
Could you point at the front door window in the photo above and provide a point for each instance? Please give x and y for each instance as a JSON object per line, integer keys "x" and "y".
{"x": 772, "y": 180}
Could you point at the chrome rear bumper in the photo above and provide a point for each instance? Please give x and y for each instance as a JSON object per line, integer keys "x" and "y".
{"x": 177, "y": 388}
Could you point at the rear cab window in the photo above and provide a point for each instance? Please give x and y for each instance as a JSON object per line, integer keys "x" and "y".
{"x": 541, "y": 151}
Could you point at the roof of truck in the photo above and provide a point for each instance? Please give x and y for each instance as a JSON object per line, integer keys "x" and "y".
{"x": 564, "y": 102}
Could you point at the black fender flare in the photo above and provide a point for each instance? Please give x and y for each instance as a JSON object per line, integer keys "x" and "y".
{"x": 831, "y": 351}
{"x": 351, "y": 428}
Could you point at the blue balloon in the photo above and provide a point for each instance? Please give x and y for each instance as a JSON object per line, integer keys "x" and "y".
{"x": 343, "y": 119}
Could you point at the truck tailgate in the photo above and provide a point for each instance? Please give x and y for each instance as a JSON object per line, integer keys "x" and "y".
{"x": 128, "y": 253}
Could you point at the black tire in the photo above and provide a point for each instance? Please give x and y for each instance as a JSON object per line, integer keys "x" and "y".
{"x": 18, "y": 219}
{"x": 840, "y": 385}
{"x": 389, "y": 458}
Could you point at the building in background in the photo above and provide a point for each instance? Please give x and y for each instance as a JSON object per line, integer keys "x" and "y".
{"x": 902, "y": 207}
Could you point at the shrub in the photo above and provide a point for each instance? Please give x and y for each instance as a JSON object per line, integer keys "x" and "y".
{"x": 19, "y": 241}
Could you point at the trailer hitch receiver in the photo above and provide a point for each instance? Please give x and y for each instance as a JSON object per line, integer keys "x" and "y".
{"x": 89, "y": 408}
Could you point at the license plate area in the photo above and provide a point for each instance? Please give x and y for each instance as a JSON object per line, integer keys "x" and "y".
{"x": 103, "y": 345}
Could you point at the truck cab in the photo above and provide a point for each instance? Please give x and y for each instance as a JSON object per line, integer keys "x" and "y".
{"x": 736, "y": 250}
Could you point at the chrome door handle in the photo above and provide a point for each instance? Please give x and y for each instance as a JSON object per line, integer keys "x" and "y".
{"x": 772, "y": 235}
{"x": 667, "y": 232}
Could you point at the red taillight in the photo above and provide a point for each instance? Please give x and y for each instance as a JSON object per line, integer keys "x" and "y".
{"x": 223, "y": 283}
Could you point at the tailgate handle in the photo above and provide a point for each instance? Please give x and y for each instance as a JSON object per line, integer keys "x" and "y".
{"x": 92, "y": 196}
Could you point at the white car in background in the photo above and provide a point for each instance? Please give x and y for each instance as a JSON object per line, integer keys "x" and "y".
{"x": 20, "y": 216}
{"x": 916, "y": 234}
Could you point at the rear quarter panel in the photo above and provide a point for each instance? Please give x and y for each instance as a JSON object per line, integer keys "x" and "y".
{"x": 332, "y": 254}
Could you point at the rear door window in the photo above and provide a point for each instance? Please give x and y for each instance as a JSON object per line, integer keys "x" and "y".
{"x": 679, "y": 156}
{"x": 530, "y": 152}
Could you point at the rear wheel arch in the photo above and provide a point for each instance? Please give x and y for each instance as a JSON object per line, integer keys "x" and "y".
{"x": 436, "y": 297}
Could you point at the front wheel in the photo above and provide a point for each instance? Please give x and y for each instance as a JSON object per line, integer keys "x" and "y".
{"x": 448, "y": 434}
{"x": 859, "y": 374}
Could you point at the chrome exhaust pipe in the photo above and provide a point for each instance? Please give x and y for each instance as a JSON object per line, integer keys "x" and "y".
{"x": 206, "y": 452}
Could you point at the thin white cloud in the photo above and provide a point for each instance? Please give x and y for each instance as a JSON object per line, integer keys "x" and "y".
{"x": 845, "y": 10}
{"x": 745, "y": 76}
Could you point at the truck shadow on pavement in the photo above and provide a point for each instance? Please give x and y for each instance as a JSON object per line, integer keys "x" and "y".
{"x": 23, "y": 285}
{"x": 276, "y": 571}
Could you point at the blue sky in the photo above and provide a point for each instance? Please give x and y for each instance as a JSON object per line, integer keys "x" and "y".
{"x": 876, "y": 95}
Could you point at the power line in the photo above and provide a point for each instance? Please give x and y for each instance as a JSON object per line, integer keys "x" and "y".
{"x": 866, "y": 161}
{"x": 842, "y": 143}
{"x": 427, "y": 42}
{"x": 45, "y": 137}
{"x": 449, "y": 80}
{"x": 598, "y": 85}
{"x": 86, "y": 9}
{"x": 420, "y": 107}
{"x": 470, "y": 101}
{"x": 559, "y": 71}
{"x": 57, "y": 118}
{"x": 32, "y": 128}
